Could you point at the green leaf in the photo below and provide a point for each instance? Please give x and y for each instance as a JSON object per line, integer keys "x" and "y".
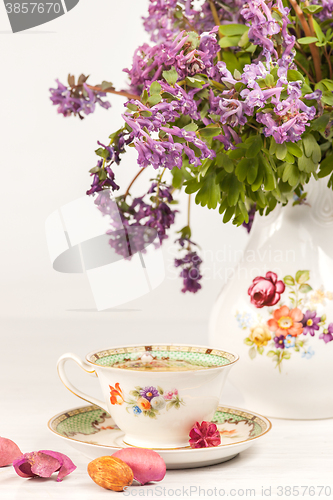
{"x": 269, "y": 80}
{"x": 309, "y": 142}
{"x": 326, "y": 166}
{"x": 244, "y": 41}
{"x": 170, "y": 76}
{"x": 242, "y": 168}
{"x": 231, "y": 61}
{"x": 177, "y": 178}
{"x": 327, "y": 97}
{"x": 136, "y": 394}
{"x": 259, "y": 180}
{"x": 312, "y": 9}
{"x": 228, "y": 214}
{"x": 223, "y": 160}
{"x": 132, "y": 107}
{"x": 281, "y": 151}
{"x": 209, "y": 131}
{"x": 252, "y": 352}
{"x": 155, "y": 88}
{"x": 294, "y": 149}
{"x": 234, "y": 191}
{"x": 236, "y": 154}
{"x": 286, "y": 355}
{"x": 244, "y": 211}
{"x": 194, "y": 82}
{"x": 306, "y": 165}
{"x": 103, "y": 153}
{"x": 302, "y": 276}
{"x": 229, "y": 41}
{"x": 290, "y": 174}
{"x": 192, "y": 186}
{"x": 209, "y": 193}
{"x": 294, "y": 75}
{"x": 102, "y": 175}
{"x": 106, "y": 85}
{"x": 305, "y": 288}
{"x": 160, "y": 390}
{"x": 260, "y": 349}
{"x": 154, "y": 99}
{"x": 252, "y": 171}
{"x": 191, "y": 127}
{"x": 318, "y": 31}
{"x": 233, "y": 29}
{"x": 289, "y": 280}
{"x": 144, "y": 97}
{"x": 307, "y": 39}
{"x": 269, "y": 176}
{"x": 255, "y": 147}
{"x": 271, "y": 354}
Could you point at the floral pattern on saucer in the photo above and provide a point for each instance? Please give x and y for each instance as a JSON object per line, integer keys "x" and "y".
{"x": 93, "y": 425}
{"x": 150, "y": 400}
{"x": 293, "y": 313}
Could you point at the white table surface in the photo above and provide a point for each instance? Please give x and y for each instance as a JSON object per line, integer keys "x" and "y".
{"x": 293, "y": 454}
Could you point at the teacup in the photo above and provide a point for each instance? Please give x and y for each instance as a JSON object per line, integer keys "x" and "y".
{"x": 156, "y": 393}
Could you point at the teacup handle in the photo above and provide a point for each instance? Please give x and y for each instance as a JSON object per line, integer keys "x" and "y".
{"x": 87, "y": 368}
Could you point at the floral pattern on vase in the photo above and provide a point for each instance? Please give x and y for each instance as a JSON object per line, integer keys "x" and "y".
{"x": 146, "y": 400}
{"x": 287, "y": 328}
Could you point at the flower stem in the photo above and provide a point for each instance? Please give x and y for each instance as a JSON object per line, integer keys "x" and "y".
{"x": 305, "y": 71}
{"x": 313, "y": 48}
{"x": 132, "y": 182}
{"x": 98, "y": 88}
{"x": 214, "y": 12}
{"x": 189, "y": 219}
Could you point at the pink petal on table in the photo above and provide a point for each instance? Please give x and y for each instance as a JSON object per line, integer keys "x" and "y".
{"x": 8, "y": 451}
{"x": 66, "y": 465}
{"x": 147, "y": 465}
{"x": 43, "y": 464}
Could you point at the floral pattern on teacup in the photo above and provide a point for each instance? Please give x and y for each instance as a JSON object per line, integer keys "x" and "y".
{"x": 288, "y": 327}
{"x": 150, "y": 400}
{"x": 116, "y": 395}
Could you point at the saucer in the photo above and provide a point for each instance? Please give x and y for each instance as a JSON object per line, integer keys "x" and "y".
{"x": 90, "y": 430}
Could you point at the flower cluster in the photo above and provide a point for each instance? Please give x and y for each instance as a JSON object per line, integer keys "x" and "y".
{"x": 235, "y": 99}
{"x": 77, "y": 100}
{"x": 288, "y": 325}
{"x": 190, "y": 267}
{"x": 150, "y": 400}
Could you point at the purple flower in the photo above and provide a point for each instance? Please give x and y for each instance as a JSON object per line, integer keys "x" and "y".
{"x": 327, "y": 335}
{"x": 190, "y": 269}
{"x": 279, "y": 341}
{"x": 83, "y": 101}
{"x": 251, "y": 212}
{"x": 149, "y": 393}
{"x": 317, "y": 95}
{"x": 105, "y": 181}
{"x": 310, "y": 322}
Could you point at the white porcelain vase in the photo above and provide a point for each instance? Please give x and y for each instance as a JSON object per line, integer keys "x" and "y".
{"x": 276, "y": 311}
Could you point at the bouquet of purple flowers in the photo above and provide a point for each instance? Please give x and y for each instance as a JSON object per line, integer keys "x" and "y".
{"x": 234, "y": 98}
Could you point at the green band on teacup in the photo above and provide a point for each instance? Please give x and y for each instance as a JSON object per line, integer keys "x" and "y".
{"x": 196, "y": 355}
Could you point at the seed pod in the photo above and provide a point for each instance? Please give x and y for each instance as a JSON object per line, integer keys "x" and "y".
{"x": 110, "y": 473}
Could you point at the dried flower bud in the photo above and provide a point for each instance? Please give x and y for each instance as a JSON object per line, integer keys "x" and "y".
{"x": 147, "y": 465}
{"x": 9, "y": 451}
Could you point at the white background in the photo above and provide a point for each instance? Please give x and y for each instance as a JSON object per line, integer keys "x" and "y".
{"x": 45, "y": 160}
